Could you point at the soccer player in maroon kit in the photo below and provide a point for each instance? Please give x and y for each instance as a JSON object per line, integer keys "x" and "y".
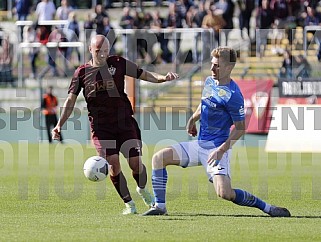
{"x": 113, "y": 128}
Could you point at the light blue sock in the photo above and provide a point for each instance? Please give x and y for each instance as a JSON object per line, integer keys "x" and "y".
{"x": 243, "y": 198}
{"x": 159, "y": 180}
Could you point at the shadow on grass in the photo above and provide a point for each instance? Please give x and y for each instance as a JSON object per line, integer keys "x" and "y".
{"x": 170, "y": 217}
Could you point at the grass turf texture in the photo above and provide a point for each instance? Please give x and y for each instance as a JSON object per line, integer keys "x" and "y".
{"x": 49, "y": 199}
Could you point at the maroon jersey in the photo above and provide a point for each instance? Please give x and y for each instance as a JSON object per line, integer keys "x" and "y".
{"x": 103, "y": 89}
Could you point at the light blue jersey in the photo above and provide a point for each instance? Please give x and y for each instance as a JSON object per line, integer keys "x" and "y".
{"x": 222, "y": 105}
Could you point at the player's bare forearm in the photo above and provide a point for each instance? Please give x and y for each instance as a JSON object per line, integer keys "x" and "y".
{"x": 65, "y": 113}
{"x": 158, "y": 78}
{"x": 67, "y": 109}
{"x": 237, "y": 132}
{"x": 191, "y": 127}
{"x": 197, "y": 114}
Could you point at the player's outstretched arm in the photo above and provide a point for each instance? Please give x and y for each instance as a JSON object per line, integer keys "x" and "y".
{"x": 158, "y": 78}
{"x": 66, "y": 112}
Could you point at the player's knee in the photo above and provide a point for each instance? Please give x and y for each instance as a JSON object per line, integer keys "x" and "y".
{"x": 163, "y": 158}
{"x": 114, "y": 170}
{"x": 157, "y": 159}
{"x": 135, "y": 165}
{"x": 114, "y": 165}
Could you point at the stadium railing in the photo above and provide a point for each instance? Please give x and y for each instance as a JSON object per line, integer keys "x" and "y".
{"x": 173, "y": 34}
{"x": 154, "y": 94}
{"x": 305, "y": 39}
{"x": 23, "y": 45}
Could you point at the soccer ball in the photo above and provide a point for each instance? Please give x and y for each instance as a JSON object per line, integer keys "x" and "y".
{"x": 96, "y": 168}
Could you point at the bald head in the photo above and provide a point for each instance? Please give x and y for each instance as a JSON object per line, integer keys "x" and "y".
{"x": 99, "y": 49}
{"x": 99, "y": 41}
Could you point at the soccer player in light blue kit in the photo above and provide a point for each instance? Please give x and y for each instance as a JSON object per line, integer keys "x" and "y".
{"x": 222, "y": 106}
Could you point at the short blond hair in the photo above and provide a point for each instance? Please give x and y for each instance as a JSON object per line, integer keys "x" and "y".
{"x": 226, "y": 54}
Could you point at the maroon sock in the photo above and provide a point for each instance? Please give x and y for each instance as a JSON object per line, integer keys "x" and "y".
{"x": 120, "y": 184}
{"x": 141, "y": 179}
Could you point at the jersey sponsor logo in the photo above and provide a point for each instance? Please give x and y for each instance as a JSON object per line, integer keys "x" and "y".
{"x": 112, "y": 70}
{"x": 208, "y": 101}
{"x": 99, "y": 86}
{"x": 104, "y": 85}
{"x": 241, "y": 111}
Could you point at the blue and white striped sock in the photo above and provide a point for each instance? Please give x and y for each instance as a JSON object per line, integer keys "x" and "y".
{"x": 159, "y": 180}
{"x": 243, "y": 198}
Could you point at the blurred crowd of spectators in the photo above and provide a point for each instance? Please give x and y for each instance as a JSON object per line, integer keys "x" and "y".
{"x": 276, "y": 18}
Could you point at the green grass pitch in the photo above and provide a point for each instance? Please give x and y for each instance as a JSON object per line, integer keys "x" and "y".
{"x": 45, "y": 197}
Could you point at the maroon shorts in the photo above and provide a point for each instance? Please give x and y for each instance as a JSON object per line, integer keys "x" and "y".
{"x": 123, "y": 136}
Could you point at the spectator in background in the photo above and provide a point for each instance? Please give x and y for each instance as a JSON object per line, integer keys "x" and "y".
{"x": 145, "y": 40}
{"x": 194, "y": 19}
{"x": 158, "y": 3}
{"x": 100, "y": 15}
{"x": 226, "y": 9}
{"x": 72, "y": 34}
{"x": 281, "y": 13}
{"x": 294, "y": 7}
{"x": 158, "y": 24}
{"x": 184, "y": 6}
{"x": 5, "y": 57}
{"x": 22, "y": 9}
{"x": 108, "y": 3}
{"x": 302, "y": 67}
{"x": 55, "y": 36}
{"x": 138, "y": 25}
{"x": 109, "y": 32}
{"x": 246, "y": 8}
{"x": 212, "y": 22}
{"x": 312, "y": 19}
{"x": 30, "y": 36}
{"x": 63, "y": 11}
{"x": 45, "y": 10}
{"x": 6, "y": 54}
{"x": 88, "y": 29}
{"x": 49, "y": 110}
{"x": 286, "y": 70}
{"x": 265, "y": 18}
{"x": 127, "y": 22}
{"x": 175, "y": 20}
{"x": 150, "y": 39}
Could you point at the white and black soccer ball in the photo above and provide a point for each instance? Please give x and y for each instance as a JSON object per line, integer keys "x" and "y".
{"x": 96, "y": 168}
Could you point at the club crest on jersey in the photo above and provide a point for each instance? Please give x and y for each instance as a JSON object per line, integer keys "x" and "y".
{"x": 112, "y": 70}
{"x": 221, "y": 93}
